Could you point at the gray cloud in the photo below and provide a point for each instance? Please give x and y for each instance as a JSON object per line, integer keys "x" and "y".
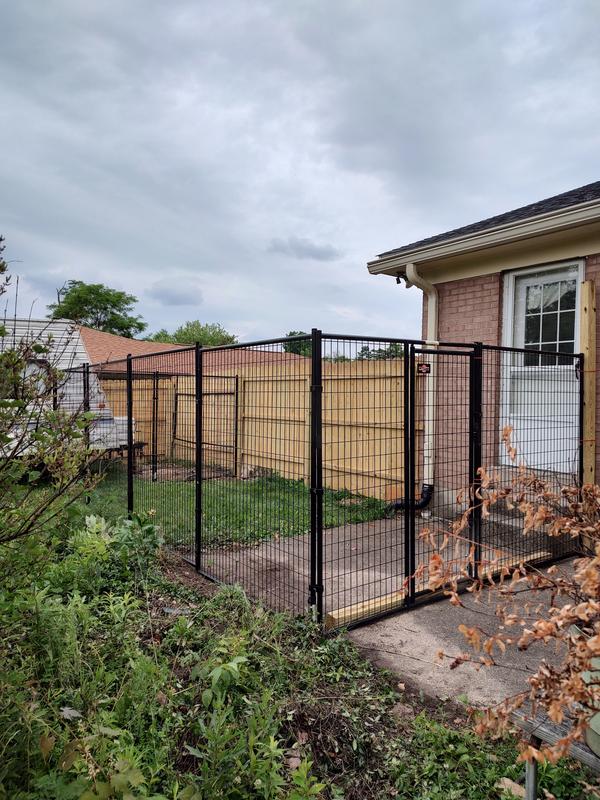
{"x": 298, "y": 247}
{"x": 175, "y": 292}
{"x": 188, "y": 134}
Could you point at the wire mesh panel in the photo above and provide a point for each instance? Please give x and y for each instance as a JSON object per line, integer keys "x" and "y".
{"x": 530, "y": 441}
{"x": 162, "y": 452}
{"x": 83, "y": 389}
{"x": 255, "y": 524}
{"x": 326, "y": 471}
{"x": 364, "y": 460}
{"x": 442, "y": 413}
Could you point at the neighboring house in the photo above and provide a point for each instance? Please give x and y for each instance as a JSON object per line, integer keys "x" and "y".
{"x": 103, "y": 387}
{"x": 71, "y": 346}
{"x": 101, "y": 346}
{"x": 523, "y": 279}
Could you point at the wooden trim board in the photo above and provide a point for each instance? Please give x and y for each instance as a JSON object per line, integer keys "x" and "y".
{"x": 587, "y": 338}
{"x": 358, "y": 611}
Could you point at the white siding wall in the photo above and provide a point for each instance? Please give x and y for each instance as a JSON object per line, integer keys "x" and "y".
{"x": 67, "y": 351}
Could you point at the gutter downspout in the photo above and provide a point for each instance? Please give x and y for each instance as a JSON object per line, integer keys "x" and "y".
{"x": 429, "y": 290}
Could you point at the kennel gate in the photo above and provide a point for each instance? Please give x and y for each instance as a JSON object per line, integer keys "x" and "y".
{"x": 353, "y": 458}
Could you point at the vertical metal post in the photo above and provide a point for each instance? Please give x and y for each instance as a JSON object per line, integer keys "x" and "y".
{"x": 236, "y": 411}
{"x": 198, "y": 457}
{"x": 409, "y": 507}
{"x": 315, "y": 598}
{"x": 475, "y": 451}
{"x": 174, "y": 417}
{"x": 130, "y": 442}
{"x": 154, "y": 456}
{"x": 531, "y": 772}
{"x": 85, "y": 376}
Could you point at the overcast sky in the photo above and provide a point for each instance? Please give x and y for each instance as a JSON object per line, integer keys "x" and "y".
{"x": 240, "y": 161}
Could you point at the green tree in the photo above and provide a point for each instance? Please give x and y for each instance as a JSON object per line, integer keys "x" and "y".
{"x": 301, "y": 348}
{"x": 209, "y": 334}
{"x": 97, "y": 306}
{"x": 366, "y": 353}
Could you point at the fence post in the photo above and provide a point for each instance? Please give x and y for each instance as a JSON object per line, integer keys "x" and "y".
{"x": 86, "y": 400}
{"x": 198, "y": 458}
{"x": 236, "y": 412}
{"x": 587, "y": 376}
{"x": 410, "y": 468}
{"x": 315, "y": 598}
{"x": 475, "y": 451}
{"x": 154, "y": 459}
{"x": 130, "y": 442}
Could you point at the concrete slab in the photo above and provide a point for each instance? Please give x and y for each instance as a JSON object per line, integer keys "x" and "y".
{"x": 408, "y": 644}
{"x": 360, "y": 562}
{"x": 363, "y": 564}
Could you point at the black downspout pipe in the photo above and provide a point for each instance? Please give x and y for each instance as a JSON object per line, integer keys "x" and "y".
{"x": 418, "y": 505}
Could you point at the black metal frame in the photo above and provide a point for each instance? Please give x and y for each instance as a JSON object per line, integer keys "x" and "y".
{"x": 365, "y": 431}
{"x": 315, "y": 599}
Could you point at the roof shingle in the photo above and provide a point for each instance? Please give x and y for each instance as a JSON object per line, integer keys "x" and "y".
{"x": 102, "y": 346}
{"x": 110, "y": 352}
{"x": 574, "y": 197}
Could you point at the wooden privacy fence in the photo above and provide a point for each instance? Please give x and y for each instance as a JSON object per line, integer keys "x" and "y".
{"x": 256, "y": 421}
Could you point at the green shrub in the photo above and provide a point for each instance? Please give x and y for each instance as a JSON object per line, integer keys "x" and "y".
{"x": 117, "y": 684}
{"x": 103, "y": 556}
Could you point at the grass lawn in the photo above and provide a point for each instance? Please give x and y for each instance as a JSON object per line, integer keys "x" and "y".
{"x": 233, "y": 510}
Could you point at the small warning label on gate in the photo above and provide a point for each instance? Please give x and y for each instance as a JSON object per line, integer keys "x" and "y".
{"x": 423, "y": 369}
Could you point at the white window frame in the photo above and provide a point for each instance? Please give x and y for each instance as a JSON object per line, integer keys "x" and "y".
{"x": 508, "y": 300}
{"x": 508, "y": 319}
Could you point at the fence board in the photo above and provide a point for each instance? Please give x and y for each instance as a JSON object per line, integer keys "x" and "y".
{"x": 362, "y": 421}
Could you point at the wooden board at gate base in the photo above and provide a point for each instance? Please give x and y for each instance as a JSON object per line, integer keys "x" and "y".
{"x": 376, "y": 605}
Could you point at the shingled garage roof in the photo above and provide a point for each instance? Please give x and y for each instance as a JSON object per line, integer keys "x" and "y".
{"x": 102, "y": 346}
{"x": 110, "y": 351}
{"x": 584, "y": 194}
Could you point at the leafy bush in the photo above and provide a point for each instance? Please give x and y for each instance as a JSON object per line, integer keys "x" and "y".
{"x": 558, "y": 611}
{"x": 102, "y": 696}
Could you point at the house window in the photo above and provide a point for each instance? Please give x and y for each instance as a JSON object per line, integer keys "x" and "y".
{"x": 539, "y": 392}
{"x": 545, "y": 314}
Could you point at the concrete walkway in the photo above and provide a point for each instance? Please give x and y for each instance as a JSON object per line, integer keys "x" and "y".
{"x": 408, "y": 644}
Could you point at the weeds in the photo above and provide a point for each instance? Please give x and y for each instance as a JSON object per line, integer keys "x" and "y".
{"x": 105, "y": 692}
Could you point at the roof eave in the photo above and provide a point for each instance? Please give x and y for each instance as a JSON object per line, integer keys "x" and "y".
{"x": 581, "y": 214}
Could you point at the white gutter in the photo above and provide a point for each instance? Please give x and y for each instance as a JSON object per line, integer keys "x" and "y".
{"x": 429, "y": 290}
{"x": 584, "y": 213}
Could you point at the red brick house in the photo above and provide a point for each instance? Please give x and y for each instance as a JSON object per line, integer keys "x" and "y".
{"x": 525, "y": 279}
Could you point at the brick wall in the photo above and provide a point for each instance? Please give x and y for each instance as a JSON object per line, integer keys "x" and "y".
{"x": 469, "y": 310}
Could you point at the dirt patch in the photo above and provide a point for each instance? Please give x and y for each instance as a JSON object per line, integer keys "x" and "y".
{"x": 179, "y": 571}
{"x": 180, "y": 472}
